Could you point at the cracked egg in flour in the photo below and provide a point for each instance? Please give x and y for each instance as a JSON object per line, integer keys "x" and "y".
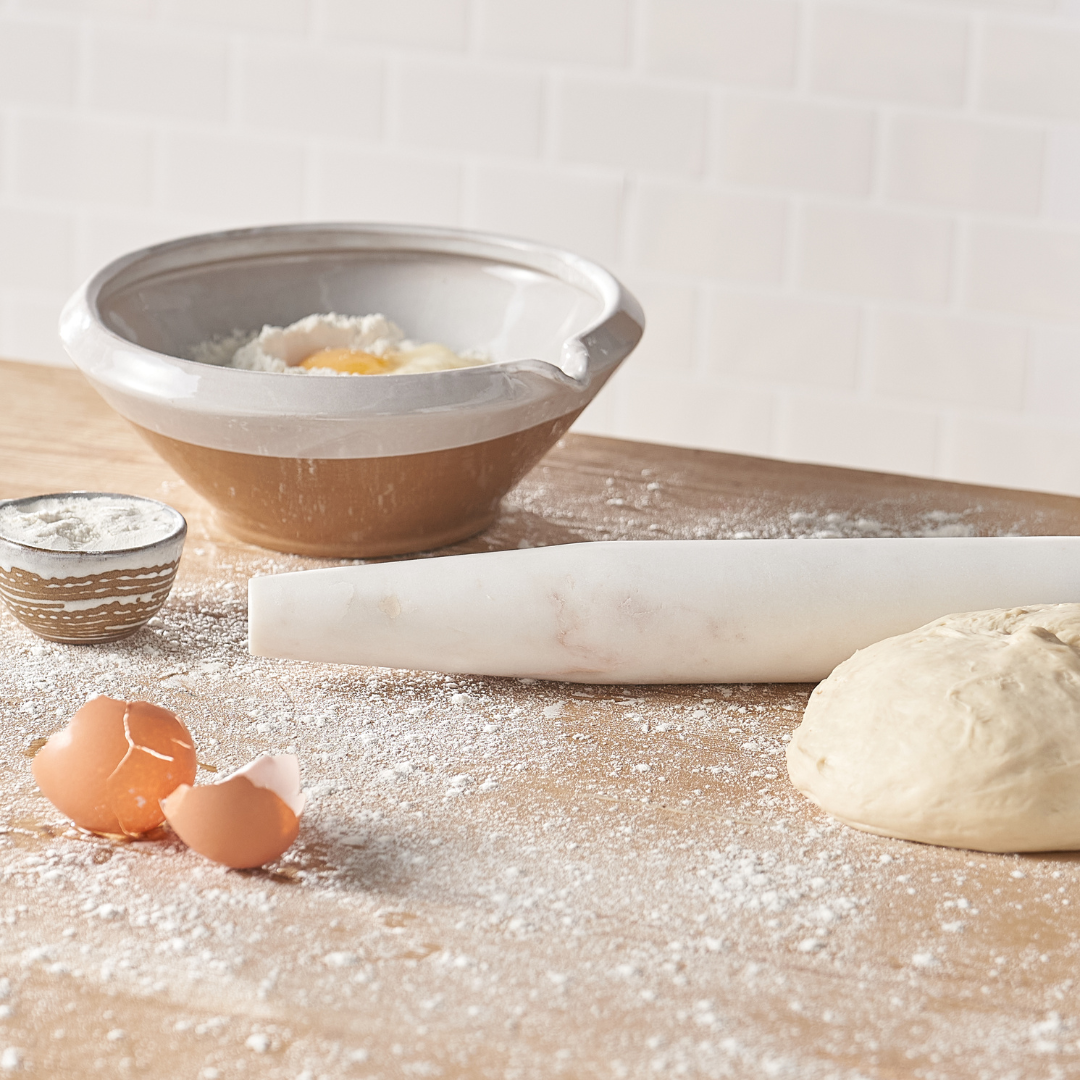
{"x": 332, "y": 344}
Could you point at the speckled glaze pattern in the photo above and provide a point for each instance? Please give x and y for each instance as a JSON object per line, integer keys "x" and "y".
{"x": 88, "y": 597}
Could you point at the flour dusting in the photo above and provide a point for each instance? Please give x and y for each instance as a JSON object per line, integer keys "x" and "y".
{"x": 81, "y": 523}
{"x": 500, "y": 877}
{"x": 296, "y": 348}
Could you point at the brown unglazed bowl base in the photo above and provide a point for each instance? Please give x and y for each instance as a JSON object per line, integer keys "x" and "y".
{"x": 40, "y": 604}
{"x": 360, "y": 507}
{"x": 96, "y": 640}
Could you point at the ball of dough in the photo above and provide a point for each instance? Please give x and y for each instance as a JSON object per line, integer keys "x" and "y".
{"x": 965, "y": 733}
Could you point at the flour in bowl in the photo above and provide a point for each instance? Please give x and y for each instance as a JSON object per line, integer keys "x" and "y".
{"x": 86, "y": 523}
{"x": 334, "y": 344}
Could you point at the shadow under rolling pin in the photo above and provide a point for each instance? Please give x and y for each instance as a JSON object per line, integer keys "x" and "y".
{"x": 661, "y": 611}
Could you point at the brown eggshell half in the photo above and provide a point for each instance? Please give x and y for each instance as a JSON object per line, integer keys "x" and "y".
{"x": 110, "y": 767}
{"x": 232, "y": 822}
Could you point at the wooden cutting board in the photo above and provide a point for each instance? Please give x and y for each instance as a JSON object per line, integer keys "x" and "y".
{"x": 501, "y": 878}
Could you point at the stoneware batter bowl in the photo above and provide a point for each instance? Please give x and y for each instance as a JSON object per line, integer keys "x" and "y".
{"x": 87, "y": 597}
{"x": 357, "y": 465}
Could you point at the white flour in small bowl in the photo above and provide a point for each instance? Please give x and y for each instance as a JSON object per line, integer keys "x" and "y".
{"x": 86, "y": 523}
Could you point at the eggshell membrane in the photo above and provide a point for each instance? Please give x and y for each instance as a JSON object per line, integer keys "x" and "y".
{"x": 281, "y": 774}
{"x": 111, "y": 765}
{"x": 234, "y": 822}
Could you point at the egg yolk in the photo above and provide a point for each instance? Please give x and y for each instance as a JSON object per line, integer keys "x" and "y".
{"x": 349, "y": 361}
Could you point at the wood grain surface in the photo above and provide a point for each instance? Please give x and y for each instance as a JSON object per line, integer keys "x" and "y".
{"x": 500, "y": 878}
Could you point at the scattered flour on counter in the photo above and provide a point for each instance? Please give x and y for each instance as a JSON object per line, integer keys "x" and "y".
{"x": 929, "y": 523}
{"x": 77, "y": 523}
{"x": 816, "y": 525}
{"x": 484, "y": 859}
{"x": 573, "y": 876}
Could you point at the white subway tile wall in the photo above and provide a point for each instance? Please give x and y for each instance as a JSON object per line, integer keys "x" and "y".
{"x": 893, "y": 53}
{"x": 854, "y": 224}
{"x": 880, "y": 254}
{"x": 579, "y": 211}
{"x": 161, "y": 74}
{"x": 943, "y": 161}
{"x": 774, "y": 142}
{"x": 785, "y": 339}
{"x": 591, "y": 32}
{"x": 311, "y": 90}
{"x": 721, "y": 42}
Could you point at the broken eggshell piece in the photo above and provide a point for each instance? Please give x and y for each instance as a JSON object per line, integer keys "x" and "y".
{"x": 111, "y": 765}
{"x": 245, "y": 820}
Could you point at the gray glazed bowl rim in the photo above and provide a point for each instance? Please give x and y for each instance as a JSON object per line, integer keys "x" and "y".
{"x": 394, "y": 238}
{"x": 179, "y": 531}
{"x": 236, "y": 410}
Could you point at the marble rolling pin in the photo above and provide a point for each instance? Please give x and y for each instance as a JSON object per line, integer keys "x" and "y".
{"x": 662, "y": 611}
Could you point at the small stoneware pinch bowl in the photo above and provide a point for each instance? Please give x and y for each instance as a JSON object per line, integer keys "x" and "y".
{"x": 83, "y": 597}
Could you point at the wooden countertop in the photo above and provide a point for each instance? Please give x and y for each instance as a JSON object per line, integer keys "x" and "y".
{"x": 499, "y": 878}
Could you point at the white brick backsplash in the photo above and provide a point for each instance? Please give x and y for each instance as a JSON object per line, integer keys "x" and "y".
{"x": 425, "y": 24}
{"x": 98, "y": 161}
{"x": 112, "y": 8}
{"x": 331, "y": 91}
{"x": 694, "y": 232}
{"x": 736, "y": 41}
{"x": 457, "y": 107}
{"x": 108, "y": 235}
{"x": 993, "y": 167}
{"x": 583, "y": 213}
{"x": 685, "y": 411}
{"x": 28, "y": 328}
{"x": 579, "y": 31}
{"x": 876, "y": 253}
{"x": 949, "y": 359}
{"x": 277, "y": 16}
{"x": 791, "y": 144}
{"x": 1053, "y": 381}
{"x": 360, "y": 185}
{"x": 854, "y": 225}
{"x": 36, "y": 250}
{"x": 1029, "y": 271}
{"x": 1035, "y": 7}
{"x": 784, "y": 339}
{"x": 869, "y": 51}
{"x": 669, "y": 344}
{"x": 1062, "y": 187}
{"x": 1031, "y": 69}
{"x": 988, "y": 450}
{"x": 624, "y": 124}
{"x": 38, "y": 64}
{"x": 168, "y": 75}
{"x": 246, "y": 179}
{"x": 861, "y": 434}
